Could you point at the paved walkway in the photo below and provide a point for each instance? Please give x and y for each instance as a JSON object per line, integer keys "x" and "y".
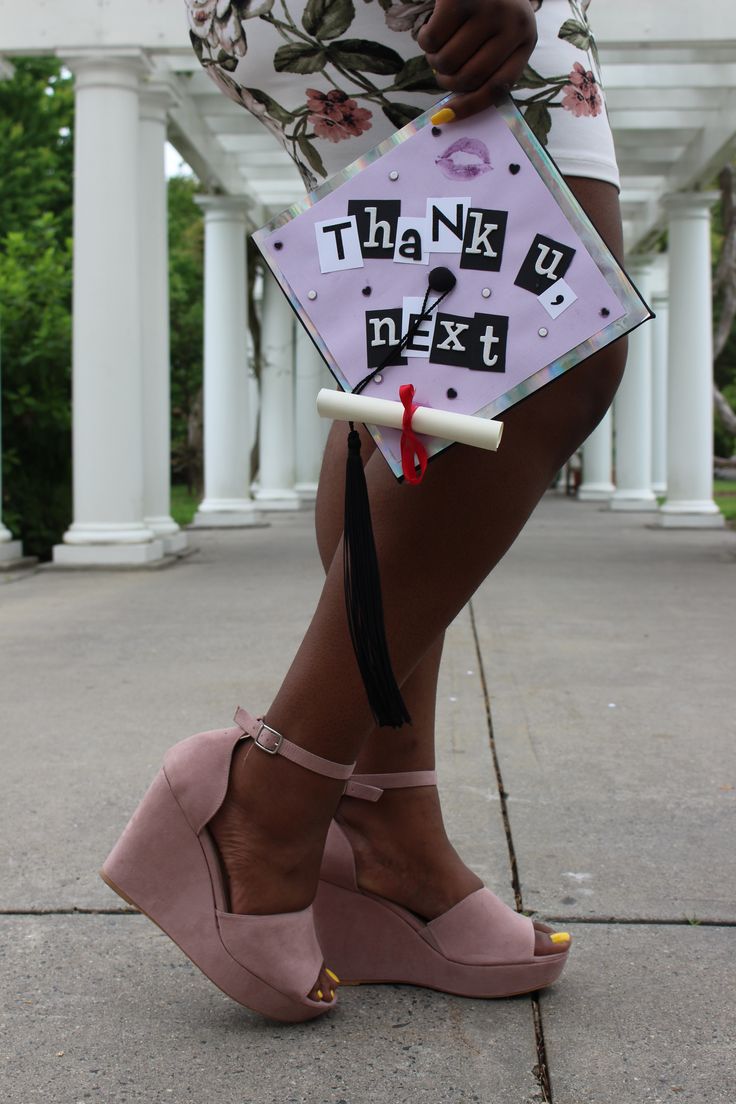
{"x": 607, "y": 776}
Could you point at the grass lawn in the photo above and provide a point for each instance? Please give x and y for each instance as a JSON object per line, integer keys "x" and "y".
{"x": 183, "y": 505}
{"x": 724, "y": 492}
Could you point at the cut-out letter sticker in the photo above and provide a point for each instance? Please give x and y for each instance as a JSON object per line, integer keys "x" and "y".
{"x": 547, "y": 261}
{"x": 446, "y": 219}
{"x": 376, "y": 220}
{"x": 557, "y": 298}
{"x": 338, "y": 244}
{"x": 412, "y": 241}
{"x": 420, "y": 342}
{"x": 485, "y": 232}
{"x": 383, "y": 333}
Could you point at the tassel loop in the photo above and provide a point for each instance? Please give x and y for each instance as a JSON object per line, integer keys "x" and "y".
{"x": 413, "y": 452}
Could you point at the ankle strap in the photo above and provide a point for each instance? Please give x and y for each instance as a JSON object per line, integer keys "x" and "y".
{"x": 272, "y": 742}
{"x": 369, "y": 787}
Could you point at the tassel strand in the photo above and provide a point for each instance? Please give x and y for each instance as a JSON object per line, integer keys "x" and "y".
{"x": 363, "y": 597}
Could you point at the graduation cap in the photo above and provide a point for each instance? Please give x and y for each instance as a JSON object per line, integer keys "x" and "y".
{"x": 444, "y": 276}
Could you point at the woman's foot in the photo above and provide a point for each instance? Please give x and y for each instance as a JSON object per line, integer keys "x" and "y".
{"x": 402, "y": 853}
{"x": 270, "y": 832}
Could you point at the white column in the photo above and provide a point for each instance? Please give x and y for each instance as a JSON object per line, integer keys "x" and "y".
{"x": 327, "y": 380}
{"x": 227, "y": 438}
{"x": 309, "y": 430}
{"x": 277, "y": 467}
{"x": 690, "y": 381}
{"x": 597, "y": 463}
{"x": 632, "y": 412}
{"x": 9, "y": 549}
{"x": 154, "y": 288}
{"x": 108, "y": 525}
{"x": 660, "y": 306}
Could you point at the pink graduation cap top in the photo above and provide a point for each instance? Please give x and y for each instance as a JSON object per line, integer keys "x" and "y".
{"x": 533, "y": 288}
{"x": 449, "y": 268}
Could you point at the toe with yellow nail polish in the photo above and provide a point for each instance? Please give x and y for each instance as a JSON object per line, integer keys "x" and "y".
{"x": 445, "y": 115}
{"x": 560, "y": 937}
{"x": 320, "y": 994}
{"x": 334, "y": 977}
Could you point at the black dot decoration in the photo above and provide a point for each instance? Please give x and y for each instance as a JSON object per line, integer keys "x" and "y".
{"x": 436, "y": 131}
{"x": 514, "y": 169}
{"x": 278, "y": 245}
{"x": 451, "y": 393}
{"x": 367, "y": 291}
{"x": 441, "y": 279}
{"x": 605, "y": 312}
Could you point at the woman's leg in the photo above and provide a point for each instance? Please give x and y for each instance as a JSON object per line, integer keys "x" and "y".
{"x": 272, "y": 825}
{"x": 401, "y": 845}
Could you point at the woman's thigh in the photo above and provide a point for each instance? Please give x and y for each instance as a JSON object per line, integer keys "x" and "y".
{"x": 582, "y": 395}
{"x": 600, "y": 202}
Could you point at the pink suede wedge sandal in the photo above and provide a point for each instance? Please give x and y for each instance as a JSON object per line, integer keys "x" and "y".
{"x": 166, "y": 864}
{"x": 478, "y": 948}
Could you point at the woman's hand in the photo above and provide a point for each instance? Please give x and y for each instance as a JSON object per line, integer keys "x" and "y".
{"x": 478, "y": 49}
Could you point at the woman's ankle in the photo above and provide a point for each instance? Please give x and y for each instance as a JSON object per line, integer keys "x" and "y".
{"x": 402, "y": 851}
{"x": 270, "y": 831}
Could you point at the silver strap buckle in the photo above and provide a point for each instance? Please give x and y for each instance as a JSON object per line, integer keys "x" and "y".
{"x": 274, "y": 740}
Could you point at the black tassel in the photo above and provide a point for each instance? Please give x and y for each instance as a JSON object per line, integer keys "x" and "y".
{"x": 363, "y": 597}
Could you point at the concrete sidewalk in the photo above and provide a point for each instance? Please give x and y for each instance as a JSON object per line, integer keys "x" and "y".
{"x": 607, "y": 776}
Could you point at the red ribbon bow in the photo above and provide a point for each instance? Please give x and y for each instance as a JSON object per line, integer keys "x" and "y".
{"x": 413, "y": 451}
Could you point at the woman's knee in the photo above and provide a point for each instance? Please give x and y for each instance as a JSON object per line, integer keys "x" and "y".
{"x": 599, "y": 381}
{"x": 554, "y": 421}
{"x": 596, "y": 380}
{"x": 589, "y": 391}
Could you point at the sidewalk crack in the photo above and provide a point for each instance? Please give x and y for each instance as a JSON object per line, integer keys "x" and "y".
{"x": 515, "y": 883}
{"x": 74, "y": 910}
{"x": 541, "y": 1069}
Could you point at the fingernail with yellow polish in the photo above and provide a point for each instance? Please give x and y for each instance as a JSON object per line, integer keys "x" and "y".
{"x": 446, "y": 115}
{"x": 334, "y": 977}
{"x": 560, "y": 937}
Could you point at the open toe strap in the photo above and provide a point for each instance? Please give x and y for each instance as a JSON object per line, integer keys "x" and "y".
{"x": 482, "y": 929}
{"x": 282, "y": 950}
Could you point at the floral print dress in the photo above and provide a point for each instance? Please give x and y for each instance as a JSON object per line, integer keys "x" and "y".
{"x": 332, "y": 78}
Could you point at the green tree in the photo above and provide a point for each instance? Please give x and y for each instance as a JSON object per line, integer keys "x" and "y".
{"x": 35, "y": 292}
{"x": 186, "y": 291}
{"x": 724, "y": 302}
{"x": 36, "y": 144}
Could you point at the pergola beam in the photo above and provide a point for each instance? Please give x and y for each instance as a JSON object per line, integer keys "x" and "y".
{"x": 655, "y": 118}
{"x": 629, "y": 23}
{"x": 161, "y": 26}
{"x": 52, "y": 28}
{"x": 670, "y": 80}
{"x": 201, "y": 149}
{"x": 680, "y": 76}
{"x": 710, "y": 149}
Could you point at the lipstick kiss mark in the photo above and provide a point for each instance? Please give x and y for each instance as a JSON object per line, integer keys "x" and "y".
{"x": 465, "y": 159}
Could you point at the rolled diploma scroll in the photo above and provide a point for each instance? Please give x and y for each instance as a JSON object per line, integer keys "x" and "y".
{"x": 467, "y": 429}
